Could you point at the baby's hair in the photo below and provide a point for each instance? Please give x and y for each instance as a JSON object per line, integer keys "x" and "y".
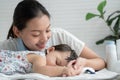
{"x": 73, "y": 56}
{"x": 65, "y": 47}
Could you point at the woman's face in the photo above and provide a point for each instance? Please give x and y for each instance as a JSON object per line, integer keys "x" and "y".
{"x": 36, "y": 33}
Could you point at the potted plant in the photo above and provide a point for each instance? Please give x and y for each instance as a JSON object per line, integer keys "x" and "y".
{"x": 113, "y": 24}
{"x": 112, "y": 21}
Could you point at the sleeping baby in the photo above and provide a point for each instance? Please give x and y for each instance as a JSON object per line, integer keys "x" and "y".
{"x": 54, "y": 61}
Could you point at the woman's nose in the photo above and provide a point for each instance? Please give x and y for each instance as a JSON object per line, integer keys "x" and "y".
{"x": 43, "y": 37}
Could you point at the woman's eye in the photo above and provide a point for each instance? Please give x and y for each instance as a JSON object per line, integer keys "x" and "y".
{"x": 35, "y": 35}
{"x": 48, "y": 30}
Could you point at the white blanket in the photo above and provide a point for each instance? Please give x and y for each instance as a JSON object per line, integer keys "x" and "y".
{"x": 100, "y": 75}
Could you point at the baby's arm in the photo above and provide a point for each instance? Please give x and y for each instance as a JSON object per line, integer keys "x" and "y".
{"x": 39, "y": 66}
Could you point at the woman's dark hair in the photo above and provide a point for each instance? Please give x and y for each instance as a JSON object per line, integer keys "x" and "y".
{"x": 65, "y": 47}
{"x": 24, "y": 11}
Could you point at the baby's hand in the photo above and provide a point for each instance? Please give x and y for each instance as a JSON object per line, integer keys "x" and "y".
{"x": 80, "y": 62}
{"x": 70, "y": 70}
{"x": 71, "y": 63}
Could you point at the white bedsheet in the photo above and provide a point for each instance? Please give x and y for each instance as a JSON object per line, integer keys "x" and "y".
{"x": 100, "y": 75}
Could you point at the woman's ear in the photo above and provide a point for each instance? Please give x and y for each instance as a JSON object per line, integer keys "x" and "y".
{"x": 16, "y": 31}
{"x": 50, "y": 49}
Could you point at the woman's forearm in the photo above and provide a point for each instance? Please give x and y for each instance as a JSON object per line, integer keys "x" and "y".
{"x": 96, "y": 63}
{"x": 91, "y": 59}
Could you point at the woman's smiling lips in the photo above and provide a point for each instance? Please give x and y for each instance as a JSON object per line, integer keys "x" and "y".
{"x": 41, "y": 46}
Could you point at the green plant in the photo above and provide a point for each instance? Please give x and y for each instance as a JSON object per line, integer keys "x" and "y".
{"x": 112, "y": 21}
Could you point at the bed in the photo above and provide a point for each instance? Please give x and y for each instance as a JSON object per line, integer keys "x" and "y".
{"x": 103, "y": 74}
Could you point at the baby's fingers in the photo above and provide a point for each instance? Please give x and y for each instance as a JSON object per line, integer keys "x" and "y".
{"x": 79, "y": 70}
{"x": 71, "y": 63}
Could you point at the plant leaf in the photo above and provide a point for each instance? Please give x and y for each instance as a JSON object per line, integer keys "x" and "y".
{"x": 117, "y": 26}
{"x": 109, "y": 21}
{"x": 90, "y": 15}
{"x": 99, "y": 42}
{"x": 109, "y": 37}
{"x": 110, "y": 18}
{"x": 101, "y": 6}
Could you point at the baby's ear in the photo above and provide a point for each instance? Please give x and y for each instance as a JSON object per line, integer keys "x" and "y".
{"x": 50, "y": 49}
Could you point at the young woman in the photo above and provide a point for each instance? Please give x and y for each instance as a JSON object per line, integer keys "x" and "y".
{"x": 35, "y": 61}
{"x": 31, "y": 30}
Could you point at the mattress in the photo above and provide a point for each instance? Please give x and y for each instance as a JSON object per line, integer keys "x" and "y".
{"x": 100, "y": 75}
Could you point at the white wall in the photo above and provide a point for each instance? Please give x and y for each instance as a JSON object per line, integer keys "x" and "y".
{"x": 67, "y": 14}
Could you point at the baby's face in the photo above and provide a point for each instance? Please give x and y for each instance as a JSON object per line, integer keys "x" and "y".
{"x": 57, "y": 58}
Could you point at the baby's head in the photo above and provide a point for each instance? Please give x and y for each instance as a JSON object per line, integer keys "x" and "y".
{"x": 60, "y": 55}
